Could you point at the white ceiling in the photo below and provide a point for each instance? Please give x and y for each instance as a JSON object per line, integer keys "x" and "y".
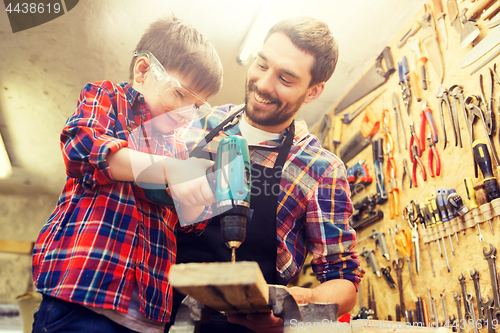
{"x": 43, "y": 69}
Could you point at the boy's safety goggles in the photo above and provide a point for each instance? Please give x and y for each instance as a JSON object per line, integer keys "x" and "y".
{"x": 187, "y": 103}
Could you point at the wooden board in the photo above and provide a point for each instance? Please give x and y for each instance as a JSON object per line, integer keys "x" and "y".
{"x": 228, "y": 287}
{"x": 15, "y": 246}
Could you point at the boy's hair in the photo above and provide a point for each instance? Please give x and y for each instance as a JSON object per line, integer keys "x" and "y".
{"x": 314, "y": 37}
{"x": 181, "y": 48}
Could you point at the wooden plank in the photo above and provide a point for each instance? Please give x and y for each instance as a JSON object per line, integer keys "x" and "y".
{"x": 16, "y": 246}
{"x": 231, "y": 288}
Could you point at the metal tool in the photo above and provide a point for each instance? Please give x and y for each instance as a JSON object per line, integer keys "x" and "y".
{"x": 490, "y": 255}
{"x": 416, "y": 161}
{"x": 467, "y": 310}
{"x": 417, "y": 62}
{"x": 420, "y": 208}
{"x": 406, "y": 173}
{"x": 349, "y": 117}
{"x": 470, "y": 31}
{"x": 433, "y": 317}
{"x": 438, "y": 11}
{"x": 452, "y": 213}
{"x": 453, "y": 15}
{"x": 398, "y": 267}
{"x": 433, "y": 156}
{"x": 441, "y": 197}
{"x": 399, "y": 120}
{"x": 488, "y": 105}
{"x": 380, "y": 243}
{"x": 410, "y": 216}
{"x": 374, "y": 78}
{"x": 474, "y": 275}
{"x": 427, "y": 118}
{"x": 482, "y": 156}
{"x": 427, "y": 209}
{"x": 457, "y": 298}
{"x": 403, "y": 240}
{"x": 443, "y": 306}
{"x": 365, "y": 212}
{"x": 435, "y": 211}
{"x": 442, "y": 95}
{"x": 378, "y": 164}
{"x": 486, "y": 60}
{"x": 468, "y": 300}
{"x": 434, "y": 307}
{"x": 488, "y": 308}
{"x": 386, "y": 273}
{"x": 404, "y": 82}
{"x": 482, "y": 48}
{"x": 413, "y": 30}
{"x": 429, "y": 38}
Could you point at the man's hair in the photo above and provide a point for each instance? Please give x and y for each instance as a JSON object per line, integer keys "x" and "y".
{"x": 181, "y": 48}
{"x": 314, "y": 37}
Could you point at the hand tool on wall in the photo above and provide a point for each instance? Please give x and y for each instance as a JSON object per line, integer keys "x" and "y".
{"x": 369, "y": 126}
{"x": 441, "y": 201}
{"x": 425, "y": 225}
{"x": 442, "y": 95}
{"x": 374, "y": 78}
{"x": 473, "y": 315}
{"x": 486, "y": 60}
{"x": 433, "y": 156}
{"x": 426, "y": 118}
{"x": 416, "y": 161}
{"x": 386, "y": 273}
{"x": 456, "y": 91}
{"x": 399, "y": 120}
{"x": 378, "y": 164}
{"x": 431, "y": 222}
{"x": 365, "y": 212}
{"x": 467, "y": 310}
{"x": 434, "y": 307}
{"x": 429, "y": 39}
{"x": 349, "y": 117}
{"x": 406, "y": 173}
{"x": 488, "y": 13}
{"x": 372, "y": 304}
{"x": 490, "y": 255}
{"x": 474, "y": 276}
{"x": 433, "y": 315}
{"x": 483, "y": 160}
{"x": 404, "y": 82}
{"x": 412, "y": 31}
{"x": 453, "y": 14}
{"x": 452, "y": 212}
{"x": 380, "y": 243}
{"x": 476, "y": 112}
{"x": 398, "y": 267}
{"x": 371, "y": 260}
{"x": 403, "y": 244}
{"x": 471, "y": 195}
{"x": 393, "y": 191}
{"x": 358, "y": 177}
{"x": 393, "y": 237}
{"x": 437, "y": 217}
{"x": 488, "y": 308}
{"x": 337, "y": 132}
{"x": 457, "y": 298}
{"x": 410, "y": 214}
{"x": 438, "y": 11}
{"x": 386, "y": 133}
{"x": 417, "y": 62}
{"x": 443, "y": 307}
{"x": 489, "y": 116}
{"x": 483, "y": 47}
{"x": 470, "y": 31}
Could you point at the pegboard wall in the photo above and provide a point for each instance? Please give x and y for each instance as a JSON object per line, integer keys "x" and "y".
{"x": 456, "y": 165}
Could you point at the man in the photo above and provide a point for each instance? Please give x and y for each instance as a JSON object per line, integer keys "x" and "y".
{"x": 300, "y": 197}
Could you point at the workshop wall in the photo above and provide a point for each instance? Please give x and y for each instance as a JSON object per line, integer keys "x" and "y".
{"x": 456, "y": 164}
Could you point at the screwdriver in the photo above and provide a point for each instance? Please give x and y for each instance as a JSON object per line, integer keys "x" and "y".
{"x": 432, "y": 224}
{"x": 482, "y": 156}
{"x": 457, "y": 203}
{"x": 450, "y": 208}
{"x": 439, "y": 225}
{"x": 441, "y": 201}
{"x": 481, "y": 200}
{"x": 471, "y": 195}
{"x": 423, "y": 220}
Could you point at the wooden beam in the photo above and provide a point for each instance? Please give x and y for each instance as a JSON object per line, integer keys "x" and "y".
{"x": 16, "y": 246}
{"x": 231, "y": 288}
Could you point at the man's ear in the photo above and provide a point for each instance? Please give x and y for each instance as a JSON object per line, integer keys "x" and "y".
{"x": 140, "y": 69}
{"x": 314, "y": 92}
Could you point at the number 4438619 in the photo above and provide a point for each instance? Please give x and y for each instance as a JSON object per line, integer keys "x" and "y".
{"x": 33, "y": 8}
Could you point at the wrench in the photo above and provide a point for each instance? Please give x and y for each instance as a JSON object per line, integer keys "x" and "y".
{"x": 461, "y": 278}
{"x": 487, "y": 305}
{"x": 490, "y": 255}
{"x": 457, "y": 298}
{"x": 471, "y": 305}
{"x": 398, "y": 267}
{"x": 433, "y": 316}
{"x": 435, "y": 311}
{"x": 474, "y": 275}
{"x": 443, "y": 305}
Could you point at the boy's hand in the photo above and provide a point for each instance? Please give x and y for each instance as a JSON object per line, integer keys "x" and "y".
{"x": 259, "y": 322}
{"x": 188, "y": 182}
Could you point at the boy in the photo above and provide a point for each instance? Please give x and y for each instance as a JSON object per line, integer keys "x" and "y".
{"x": 102, "y": 259}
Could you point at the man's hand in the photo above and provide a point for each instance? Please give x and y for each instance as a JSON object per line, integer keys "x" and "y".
{"x": 259, "y": 322}
{"x": 188, "y": 182}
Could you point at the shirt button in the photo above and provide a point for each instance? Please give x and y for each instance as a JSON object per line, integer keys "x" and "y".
{"x": 129, "y": 128}
{"x": 144, "y": 117}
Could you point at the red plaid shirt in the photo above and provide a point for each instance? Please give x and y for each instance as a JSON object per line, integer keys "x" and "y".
{"x": 104, "y": 235}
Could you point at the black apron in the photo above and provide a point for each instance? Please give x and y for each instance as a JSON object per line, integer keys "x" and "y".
{"x": 260, "y": 244}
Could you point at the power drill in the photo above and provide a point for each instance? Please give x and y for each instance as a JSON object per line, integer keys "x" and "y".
{"x": 230, "y": 179}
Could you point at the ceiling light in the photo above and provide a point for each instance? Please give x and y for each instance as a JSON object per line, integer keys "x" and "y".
{"x": 254, "y": 37}
{"x": 5, "y": 166}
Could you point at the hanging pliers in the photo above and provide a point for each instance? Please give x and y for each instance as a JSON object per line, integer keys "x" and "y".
{"x": 406, "y": 173}
{"x": 433, "y": 156}
{"x": 426, "y": 117}
{"x": 489, "y": 116}
{"x": 442, "y": 95}
{"x": 416, "y": 160}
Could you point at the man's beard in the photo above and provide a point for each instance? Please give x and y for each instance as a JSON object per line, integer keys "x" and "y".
{"x": 281, "y": 114}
